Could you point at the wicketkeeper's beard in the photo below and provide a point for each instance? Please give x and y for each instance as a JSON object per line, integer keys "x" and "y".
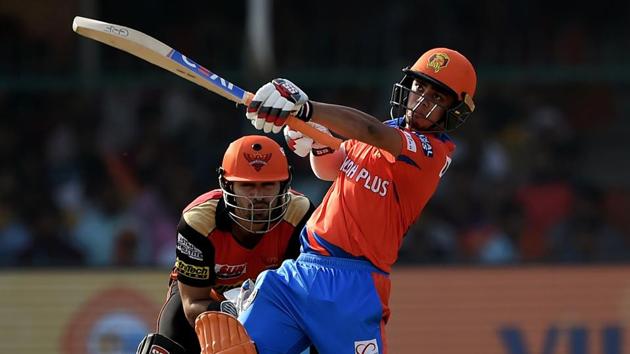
{"x": 260, "y": 213}
{"x": 257, "y": 213}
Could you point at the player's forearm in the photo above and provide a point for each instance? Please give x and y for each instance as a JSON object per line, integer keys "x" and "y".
{"x": 326, "y": 167}
{"x": 192, "y": 309}
{"x": 354, "y": 124}
{"x": 195, "y": 300}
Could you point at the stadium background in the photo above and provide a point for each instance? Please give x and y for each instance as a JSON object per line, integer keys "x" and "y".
{"x": 524, "y": 248}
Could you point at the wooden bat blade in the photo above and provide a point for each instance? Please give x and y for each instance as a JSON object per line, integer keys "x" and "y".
{"x": 152, "y": 50}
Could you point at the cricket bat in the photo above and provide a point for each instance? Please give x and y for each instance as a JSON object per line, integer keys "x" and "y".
{"x": 155, "y": 52}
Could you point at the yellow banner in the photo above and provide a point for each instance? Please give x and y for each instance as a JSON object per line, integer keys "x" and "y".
{"x": 75, "y": 312}
{"x": 525, "y": 310}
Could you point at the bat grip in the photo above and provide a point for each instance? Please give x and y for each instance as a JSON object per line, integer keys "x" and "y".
{"x": 320, "y": 137}
{"x": 304, "y": 128}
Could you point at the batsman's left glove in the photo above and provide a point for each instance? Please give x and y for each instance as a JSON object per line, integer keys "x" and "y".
{"x": 302, "y": 144}
{"x": 274, "y": 102}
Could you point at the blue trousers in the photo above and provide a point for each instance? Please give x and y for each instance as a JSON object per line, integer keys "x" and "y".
{"x": 332, "y": 303}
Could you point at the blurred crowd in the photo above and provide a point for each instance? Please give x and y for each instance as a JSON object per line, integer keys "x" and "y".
{"x": 97, "y": 166}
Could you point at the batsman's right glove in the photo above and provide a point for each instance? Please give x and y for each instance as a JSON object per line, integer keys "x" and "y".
{"x": 273, "y": 102}
{"x": 302, "y": 144}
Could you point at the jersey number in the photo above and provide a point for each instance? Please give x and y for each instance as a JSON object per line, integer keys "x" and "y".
{"x": 447, "y": 164}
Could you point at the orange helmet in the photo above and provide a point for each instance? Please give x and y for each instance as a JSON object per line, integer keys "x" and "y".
{"x": 448, "y": 70}
{"x": 255, "y": 158}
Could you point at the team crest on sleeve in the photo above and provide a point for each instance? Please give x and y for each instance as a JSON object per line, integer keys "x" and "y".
{"x": 257, "y": 161}
{"x": 438, "y": 61}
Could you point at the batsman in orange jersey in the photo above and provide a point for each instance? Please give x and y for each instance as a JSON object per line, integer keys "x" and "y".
{"x": 224, "y": 238}
{"x": 336, "y": 293}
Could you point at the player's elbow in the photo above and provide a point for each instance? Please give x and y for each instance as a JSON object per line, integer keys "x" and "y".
{"x": 325, "y": 175}
{"x": 191, "y": 314}
{"x": 326, "y": 167}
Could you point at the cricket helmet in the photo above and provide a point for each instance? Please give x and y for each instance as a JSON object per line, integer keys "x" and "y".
{"x": 448, "y": 70}
{"x": 255, "y": 158}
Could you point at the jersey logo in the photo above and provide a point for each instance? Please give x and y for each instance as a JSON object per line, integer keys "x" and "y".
{"x": 426, "y": 145}
{"x": 366, "y": 347}
{"x": 188, "y": 248}
{"x": 370, "y": 181}
{"x": 257, "y": 161}
{"x": 438, "y": 61}
{"x": 411, "y": 145}
{"x": 229, "y": 271}
{"x": 192, "y": 271}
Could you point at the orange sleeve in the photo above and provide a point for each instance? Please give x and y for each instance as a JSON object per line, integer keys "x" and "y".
{"x": 410, "y": 145}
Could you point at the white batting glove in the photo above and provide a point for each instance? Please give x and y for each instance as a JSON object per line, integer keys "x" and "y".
{"x": 228, "y": 307}
{"x": 238, "y": 299}
{"x": 274, "y": 102}
{"x": 302, "y": 144}
{"x": 246, "y": 295}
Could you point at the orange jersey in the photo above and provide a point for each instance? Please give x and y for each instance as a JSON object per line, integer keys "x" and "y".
{"x": 376, "y": 197}
{"x": 209, "y": 255}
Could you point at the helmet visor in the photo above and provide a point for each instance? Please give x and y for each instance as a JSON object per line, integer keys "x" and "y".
{"x": 258, "y": 214}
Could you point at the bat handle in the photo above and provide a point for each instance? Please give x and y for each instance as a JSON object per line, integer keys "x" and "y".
{"x": 318, "y": 136}
{"x": 304, "y": 128}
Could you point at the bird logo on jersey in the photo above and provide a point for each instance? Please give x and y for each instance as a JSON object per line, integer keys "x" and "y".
{"x": 257, "y": 161}
{"x": 438, "y": 61}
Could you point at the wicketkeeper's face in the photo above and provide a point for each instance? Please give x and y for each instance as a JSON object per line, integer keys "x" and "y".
{"x": 255, "y": 200}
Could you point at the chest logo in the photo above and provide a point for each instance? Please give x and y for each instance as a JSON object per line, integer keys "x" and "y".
{"x": 230, "y": 271}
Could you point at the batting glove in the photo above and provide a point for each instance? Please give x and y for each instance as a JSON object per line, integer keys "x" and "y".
{"x": 302, "y": 144}
{"x": 274, "y": 102}
{"x": 238, "y": 299}
{"x": 223, "y": 306}
{"x": 246, "y": 295}
{"x": 228, "y": 307}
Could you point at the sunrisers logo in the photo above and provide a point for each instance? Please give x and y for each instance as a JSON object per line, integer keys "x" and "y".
{"x": 257, "y": 161}
{"x": 192, "y": 271}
